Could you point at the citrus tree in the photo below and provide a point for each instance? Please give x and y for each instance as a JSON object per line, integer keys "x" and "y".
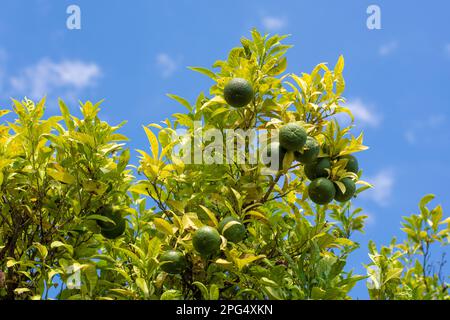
{"x": 246, "y": 195}
{"x": 241, "y": 230}
{"x": 54, "y": 178}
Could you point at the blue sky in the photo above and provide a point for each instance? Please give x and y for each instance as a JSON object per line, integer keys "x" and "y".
{"x": 134, "y": 52}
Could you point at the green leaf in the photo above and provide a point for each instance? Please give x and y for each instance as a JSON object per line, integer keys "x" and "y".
{"x": 171, "y": 295}
{"x": 181, "y": 100}
{"x": 154, "y": 247}
{"x": 267, "y": 282}
{"x": 339, "y": 67}
{"x": 213, "y": 292}
{"x": 4, "y": 112}
{"x": 241, "y": 263}
{"x": 341, "y": 186}
{"x": 66, "y": 114}
{"x": 96, "y": 187}
{"x": 140, "y": 282}
{"x": 57, "y": 244}
{"x": 42, "y": 249}
{"x": 423, "y": 202}
{"x": 153, "y": 142}
{"x": 203, "y": 289}
{"x": 163, "y": 226}
{"x": 317, "y": 293}
{"x": 272, "y": 293}
{"x": 204, "y": 71}
{"x": 91, "y": 274}
{"x": 98, "y": 217}
{"x": 11, "y": 263}
{"x": 21, "y": 290}
{"x": 393, "y": 273}
{"x": 61, "y": 176}
{"x": 279, "y": 68}
{"x": 211, "y": 215}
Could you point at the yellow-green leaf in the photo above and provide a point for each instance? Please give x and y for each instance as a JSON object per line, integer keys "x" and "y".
{"x": 163, "y": 226}
{"x": 153, "y": 142}
{"x": 211, "y": 215}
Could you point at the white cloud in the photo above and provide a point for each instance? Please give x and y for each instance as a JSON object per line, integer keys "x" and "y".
{"x": 67, "y": 77}
{"x": 410, "y": 136}
{"x": 432, "y": 122}
{"x": 363, "y": 113}
{"x": 166, "y": 64}
{"x": 388, "y": 48}
{"x": 272, "y": 23}
{"x": 383, "y": 183}
{"x": 447, "y": 49}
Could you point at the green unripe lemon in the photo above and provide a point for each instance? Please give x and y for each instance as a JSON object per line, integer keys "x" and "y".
{"x": 350, "y": 189}
{"x": 320, "y": 168}
{"x": 106, "y": 211}
{"x": 206, "y": 240}
{"x": 173, "y": 262}
{"x": 310, "y": 151}
{"x": 352, "y": 164}
{"x": 292, "y": 137}
{"x": 232, "y": 229}
{"x": 238, "y": 92}
{"x": 117, "y": 230}
{"x": 321, "y": 191}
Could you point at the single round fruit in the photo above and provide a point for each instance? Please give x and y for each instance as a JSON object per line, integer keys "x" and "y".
{"x": 271, "y": 153}
{"x": 116, "y": 231}
{"x": 350, "y": 189}
{"x": 174, "y": 262}
{"x": 292, "y": 137}
{"x": 238, "y": 92}
{"x": 206, "y": 240}
{"x": 352, "y": 164}
{"x": 105, "y": 211}
{"x": 321, "y": 191}
{"x": 310, "y": 151}
{"x": 320, "y": 168}
{"x": 232, "y": 229}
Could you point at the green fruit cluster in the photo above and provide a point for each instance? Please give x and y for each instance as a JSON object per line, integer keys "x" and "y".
{"x": 322, "y": 190}
{"x": 108, "y": 229}
{"x": 206, "y": 241}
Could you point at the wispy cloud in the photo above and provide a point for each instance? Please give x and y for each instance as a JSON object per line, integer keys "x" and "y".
{"x": 365, "y": 114}
{"x": 433, "y": 121}
{"x": 166, "y": 64}
{"x": 272, "y": 23}
{"x": 47, "y": 77}
{"x": 447, "y": 49}
{"x": 388, "y": 48}
{"x": 383, "y": 183}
